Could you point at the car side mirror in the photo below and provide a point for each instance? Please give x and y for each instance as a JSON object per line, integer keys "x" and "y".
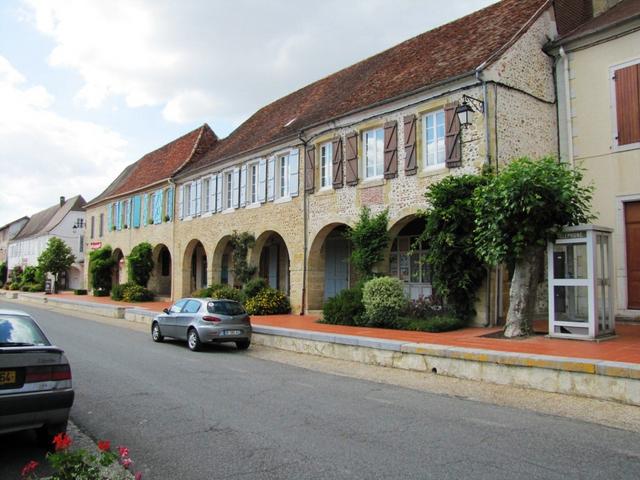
{"x": 166, "y": 310}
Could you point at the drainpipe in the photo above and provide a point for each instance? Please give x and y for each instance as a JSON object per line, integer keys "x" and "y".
{"x": 305, "y": 213}
{"x": 567, "y": 88}
{"x": 173, "y": 240}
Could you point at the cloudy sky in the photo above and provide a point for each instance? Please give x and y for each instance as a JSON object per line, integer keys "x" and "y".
{"x": 89, "y": 86}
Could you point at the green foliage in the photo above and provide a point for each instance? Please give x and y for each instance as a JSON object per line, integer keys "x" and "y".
{"x": 254, "y": 286}
{"x": 268, "y": 301}
{"x": 3, "y": 272}
{"x": 101, "y": 265}
{"x": 345, "y": 308}
{"x": 241, "y": 243}
{"x": 202, "y": 293}
{"x": 80, "y": 291}
{"x": 383, "y": 300}
{"x": 434, "y": 324}
{"x": 136, "y": 293}
{"x": 117, "y": 291}
{"x": 140, "y": 263}
{"x": 526, "y": 205}
{"x": 16, "y": 276}
{"x": 56, "y": 258}
{"x": 227, "y": 292}
{"x": 30, "y": 275}
{"x": 448, "y": 239}
{"x": 370, "y": 239}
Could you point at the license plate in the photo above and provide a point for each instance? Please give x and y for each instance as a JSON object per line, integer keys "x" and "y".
{"x": 231, "y": 333}
{"x": 7, "y": 377}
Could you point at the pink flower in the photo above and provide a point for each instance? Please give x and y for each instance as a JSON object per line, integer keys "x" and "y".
{"x": 138, "y": 476}
{"x": 124, "y": 452}
{"x": 104, "y": 445}
{"x": 30, "y": 467}
{"x": 126, "y": 463}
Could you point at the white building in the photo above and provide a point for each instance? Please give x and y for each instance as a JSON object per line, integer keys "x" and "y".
{"x": 7, "y": 233}
{"x": 65, "y": 221}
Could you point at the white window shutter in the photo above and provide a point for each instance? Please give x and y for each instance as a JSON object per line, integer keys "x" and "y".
{"x": 243, "y": 185}
{"x": 180, "y": 201}
{"x": 212, "y": 193}
{"x": 236, "y": 188}
{"x": 293, "y": 172}
{"x": 198, "y": 210}
{"x": 219, "y": 192}
{"x": 271, "y": 178}
{"x": 192, "y": 199}
{"x": 262, "y": 180}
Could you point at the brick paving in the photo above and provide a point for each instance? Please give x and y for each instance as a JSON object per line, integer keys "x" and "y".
{"x": 624, "y": 348}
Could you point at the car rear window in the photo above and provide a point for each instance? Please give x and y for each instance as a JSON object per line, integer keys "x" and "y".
{"x": 17, "y": 330}
{"x": 225, "y": 308}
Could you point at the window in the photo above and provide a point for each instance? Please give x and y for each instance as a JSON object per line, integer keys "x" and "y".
{"x": 283, "y": 176}
{"x": 434, "y": 152}
{"x": 93, "y": 226}
{"x": 253, "y": 183}
{"x": 206, "y": 204}
{"x": 326, "y": 153}
{"x": 186, "y": 205}
{"x": 177, "y": 307}
{"x": 81, "y": 246}
{"x": 228, "y": 190}
{"x": 373, "y": 142}
{"x": 626, "y": 83}
{"x": 191, "y": 307}
{"x": 408, "y": 266}
{"x": 101, "y": 229}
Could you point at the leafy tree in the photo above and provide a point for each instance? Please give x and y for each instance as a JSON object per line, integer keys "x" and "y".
{"x": 56, "y": 258}
{"x": 370, "y": 238}
{"x": 448, "y": 239}
{"x": 140, "y": 263}
{"x": 3, "y": 272}
{"x": 101, "y": 264}
{"x": 517, "y": 212}
{"x": 241, "y": 243}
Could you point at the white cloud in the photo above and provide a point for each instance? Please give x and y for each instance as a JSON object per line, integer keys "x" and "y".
{"x": 237, "y": 56}
{"x": 45, "y": 155}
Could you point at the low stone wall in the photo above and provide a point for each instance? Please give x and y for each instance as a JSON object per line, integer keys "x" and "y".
{"x": 139, "y": 315}
{"x": 111, "y": 311}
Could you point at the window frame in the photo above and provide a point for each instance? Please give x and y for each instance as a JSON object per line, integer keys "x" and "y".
{"x": 326, "y": 154}
{"x": 282, "y": 178}
{"x": 378, "y": 166}
{"x": 425, "y": 144}
{"x": 228, "y": 190}
{"x": 253, "y": 168}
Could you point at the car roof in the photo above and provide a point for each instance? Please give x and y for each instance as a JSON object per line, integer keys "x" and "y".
{"x": 14, "y": 313}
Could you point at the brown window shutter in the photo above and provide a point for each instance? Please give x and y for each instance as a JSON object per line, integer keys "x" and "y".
{"x": 628, "y": 104}
{"x": 309, "y": 169}
{"x": 351, "y": 159}
{"x": 391, "y": 150}
{"x": 337, "y": 162}
{"x": 410, "y": 156}
{"x": 452, "y": 136}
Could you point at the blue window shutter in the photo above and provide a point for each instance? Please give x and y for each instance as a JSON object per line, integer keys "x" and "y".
{"x": 109, "y": 213}
{"x": 293, "y": 172}
{"x": 145, "y": 203}
{"x": 157, "y": 207}
{"x": 271, "y": 178}
{"x": 136, "y": 212}
{"x": 128, "y": 206}
{"x": 262, "y": 180}
{"x": 170, "y": 203}
{"x": 119, "y": 215}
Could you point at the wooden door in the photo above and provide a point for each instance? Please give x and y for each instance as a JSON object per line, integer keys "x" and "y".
{"x": 336, "y": 269}
{"x": 632, "y": 228}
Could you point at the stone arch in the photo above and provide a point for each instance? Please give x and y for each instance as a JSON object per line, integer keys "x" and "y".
{"x": 271, "y": 256}
{"x": 194, "y": 267}
{"x": 160, "y": 280}
{"x": 328, "y": 268}
{"x": 119, "y": 270}
{"x": 74, "y": 279}
{"x": 222, "y": 261}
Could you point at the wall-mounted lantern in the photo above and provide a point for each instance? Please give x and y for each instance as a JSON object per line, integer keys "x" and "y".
{"x": 466, "y": 108}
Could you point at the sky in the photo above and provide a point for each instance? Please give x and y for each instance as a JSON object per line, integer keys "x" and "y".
{"x": 89, "y": 86}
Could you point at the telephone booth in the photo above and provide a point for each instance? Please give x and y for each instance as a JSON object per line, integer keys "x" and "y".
{"x": 580, "y": 269}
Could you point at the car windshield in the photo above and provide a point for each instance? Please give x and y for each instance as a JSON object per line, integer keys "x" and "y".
{"x": 20, "y": 331}
{"x": 225, "y": 308}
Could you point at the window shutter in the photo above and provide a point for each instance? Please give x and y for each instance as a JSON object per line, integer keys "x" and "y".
{"x": 337, "y": 162}
{"x": 198, "y": 209}
{"x": 145, "y": 203}
{"x": 391, "y": 150}
{"x": 109, "y": 220}
{"x": 192, "y": 199}
{"x": 236, "y": 188}
{"x": 271, "y": 178}
{"x": 157, "y": 207}
{"x": 262, "y": 180}
{"x": 452, "y": 136}
{"x": 219, "y": 192}
{"x": 352, "y": 159}
{"x": 243, "y": 185}
{"x": 119, "y": 215}
{"x": 309, "y": 169}
{"x": 628, "y": 104}
{"x": 170, "y": 195}
{"x": 180, "y": 202}
{"x": 410, "y": 155}
{"x": 294, "y": 167}
{"x": 213, "y": 185}
{"x": 136, "y": 212}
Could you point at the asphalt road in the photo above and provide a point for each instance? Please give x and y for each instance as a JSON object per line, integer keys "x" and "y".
{"x": 225, "y": 414}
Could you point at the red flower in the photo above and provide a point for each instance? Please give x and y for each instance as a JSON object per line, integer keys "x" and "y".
{"x": 104, "y": 445}
{"x": 124, "y": 452}
{"x": 126, "y": 463}
{"x": 29, "y": 467}
{"x": 62, "y": 441}
{"x": 138, "y": 476}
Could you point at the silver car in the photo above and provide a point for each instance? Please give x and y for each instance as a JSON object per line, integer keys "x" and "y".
{"x": 204, "y": 320}
{"x": 35, "y": 379}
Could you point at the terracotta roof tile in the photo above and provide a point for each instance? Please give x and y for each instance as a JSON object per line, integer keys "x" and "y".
{"x": 46, "y": 220}
{"x": 616, "y": 14}
{"x": 446, "y": 52}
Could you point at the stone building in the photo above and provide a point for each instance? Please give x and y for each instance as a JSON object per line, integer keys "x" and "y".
{"x": 297, "y": 173}
{"x": 7, "y": 233}
{"x": 598, "y": 78}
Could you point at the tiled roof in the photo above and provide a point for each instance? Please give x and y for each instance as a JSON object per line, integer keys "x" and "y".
{"x": 162, "y": 163}
{"x": 46, "y": 220}
{"x": 15, "y": 221}
{"x": 446, "y": 52}
{"x": 622, "y": 11}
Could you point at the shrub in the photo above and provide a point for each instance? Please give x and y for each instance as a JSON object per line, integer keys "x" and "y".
{"x": 100, "y": 292}
{"x": 136, "y": 293}
{"x": 202, "y": 293}
{"x": 424, "y": 307}
{"x": 80, "y": 291}
{"x": 346, "y": 308}
{"x": 254, "y": 286}
{"x": 36, "y": 287}
{"x": 241, "y": 243}
{"x": 383, "y": 300}
{"x": 227, "y": 292}
{"x": 101, "y": 263}
{"x": 268, "y": 301}
{"x": 117, "y": 291}
{"x": 435, "y": 324}
{"x": 140, "y": 262}
{"x": 370, "y": 238}
{"x": 14, "y": 286}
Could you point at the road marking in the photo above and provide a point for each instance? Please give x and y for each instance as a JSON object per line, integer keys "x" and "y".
{"x": 237, "y": 370}
{"x": 303, "y": 384}
{"x": 380, "y": 400}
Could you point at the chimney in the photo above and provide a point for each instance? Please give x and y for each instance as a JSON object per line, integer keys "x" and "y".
{"x": 62, "y": 201}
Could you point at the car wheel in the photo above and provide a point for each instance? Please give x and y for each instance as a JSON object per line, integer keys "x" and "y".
{"x": 45, "y": 434}
{"x": 155, "y": 333}
{"x": 193, "y": 340}
{"x": 243, "y": 344}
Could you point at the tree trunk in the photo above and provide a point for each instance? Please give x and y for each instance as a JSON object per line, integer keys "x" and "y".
{"x": 522, "y": 295}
